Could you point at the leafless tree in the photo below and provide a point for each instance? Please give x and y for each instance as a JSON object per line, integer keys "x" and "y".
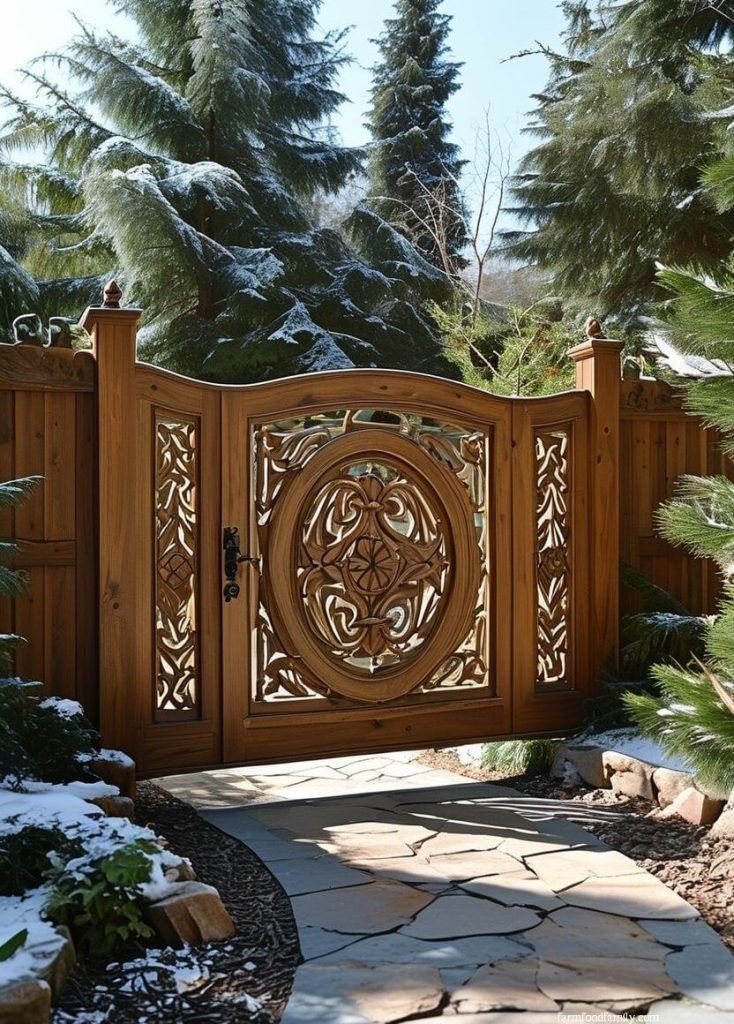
{"x": 482, "y": 190}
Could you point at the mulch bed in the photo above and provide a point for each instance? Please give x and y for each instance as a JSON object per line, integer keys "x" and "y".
{"x": 247, "y": 978}
{"x": 695, "y": 864}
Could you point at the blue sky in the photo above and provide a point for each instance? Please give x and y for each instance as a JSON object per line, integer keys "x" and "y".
{"x": 484, "y": 32}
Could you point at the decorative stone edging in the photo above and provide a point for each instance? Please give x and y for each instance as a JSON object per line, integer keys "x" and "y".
{"x": 190, "y": 913}
{"x": 674, "y": 791}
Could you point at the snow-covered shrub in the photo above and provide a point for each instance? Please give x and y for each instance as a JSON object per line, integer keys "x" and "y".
{"x": 48, "y": 740}
{"x": 26, "y": 857}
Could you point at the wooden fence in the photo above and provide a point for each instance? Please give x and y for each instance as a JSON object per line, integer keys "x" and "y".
{"x": 659, "y": 442}
{"x": 102, "y": 431}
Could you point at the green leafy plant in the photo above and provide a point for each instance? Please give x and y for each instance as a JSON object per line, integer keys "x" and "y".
{"x": 15, "y": 942}
{"x": 37, "y": 742}
{"x": 25, "y": 857}
{"x": 519, "y": 757}
{"x": 100, "y": 902}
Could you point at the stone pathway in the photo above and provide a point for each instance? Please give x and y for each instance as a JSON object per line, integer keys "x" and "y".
{"x": 420, "y": 894}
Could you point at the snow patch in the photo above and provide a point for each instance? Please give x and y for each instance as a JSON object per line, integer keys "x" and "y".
{"x": 63, "y": 707}
{"x": 627, "y": 741}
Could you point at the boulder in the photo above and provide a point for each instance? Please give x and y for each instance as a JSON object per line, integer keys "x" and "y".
{"x": 116, "y": 769}
{"x": 670, "y": 784}
{"x": 695, "y": 807}
{"x": 181, "y": 872}
{"x": 588, "y": 762}
{"x": 628, "y": 776}
{"x": 724, "y": 824}
{"x": 25, "y": 1002}
{"x": 115, "y": 806}
{"x": 194, "y": 913}
{"x": 57, "y": 971}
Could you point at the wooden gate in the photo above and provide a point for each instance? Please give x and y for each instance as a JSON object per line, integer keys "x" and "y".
{"x": 347, "y": 561}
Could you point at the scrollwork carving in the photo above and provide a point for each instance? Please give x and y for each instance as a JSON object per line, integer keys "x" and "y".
{"x": 176, "y": 537}
{"x": 553, "y": 537}
{"x": 373, "y": 554}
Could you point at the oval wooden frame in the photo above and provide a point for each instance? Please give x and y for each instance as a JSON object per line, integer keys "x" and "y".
{"x": 453, "y": 621}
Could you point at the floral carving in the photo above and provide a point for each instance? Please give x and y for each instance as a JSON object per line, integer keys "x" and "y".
{"x": 373, "y": 556}
{"x": 373, "y": 566}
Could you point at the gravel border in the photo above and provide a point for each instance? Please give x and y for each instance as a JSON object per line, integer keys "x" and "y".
{"x": 692, "y": 862}
{"x": 246, "y": 978}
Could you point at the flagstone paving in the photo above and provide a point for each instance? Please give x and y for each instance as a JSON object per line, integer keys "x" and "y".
{"x": 420, "y": 894}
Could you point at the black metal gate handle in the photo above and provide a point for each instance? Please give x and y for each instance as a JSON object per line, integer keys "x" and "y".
{"x": 232, "y": 559}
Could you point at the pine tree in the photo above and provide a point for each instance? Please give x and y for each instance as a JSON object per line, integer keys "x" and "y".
{"x": 414, "y": 167}
{"x": 694, "y": 715}
{"x": 184, "y": 163}
{"x": 613, "y": 185}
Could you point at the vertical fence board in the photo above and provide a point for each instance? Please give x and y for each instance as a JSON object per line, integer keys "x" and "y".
{"x": 30, "y": 460}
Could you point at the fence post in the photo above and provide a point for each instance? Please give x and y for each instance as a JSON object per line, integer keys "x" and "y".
{"x": 598, "y": 370}
{"x": 114, "y": 330}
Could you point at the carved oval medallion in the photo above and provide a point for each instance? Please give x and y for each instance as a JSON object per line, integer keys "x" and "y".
{"x": 373, "y": 554}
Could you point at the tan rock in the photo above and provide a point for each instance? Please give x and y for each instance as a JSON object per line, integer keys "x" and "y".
{"x": 193, "y": 914}
{"x": 588, "y": 762}
{"x": 695, "y": 806}
{"x": 505, "y": 985}
{"x": 628, "y": 776}
{"x": 724, "y": 824}
{"x": 181, "y": 872}
{"x": 25, "y": 1002}
{"x": 597, "y": 979}
{"x": 116, "y": 806}
{"x": 60, "y": 967}
{"x": 670, "y": 784}
{"x": 117, "y": 771}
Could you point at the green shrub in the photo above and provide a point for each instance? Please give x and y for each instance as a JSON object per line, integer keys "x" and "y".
{"x": 37, "y": 742}
{"x": 99, "y": 901}
{"x": 24, "y": 857}
{"x": 520, "y": 757}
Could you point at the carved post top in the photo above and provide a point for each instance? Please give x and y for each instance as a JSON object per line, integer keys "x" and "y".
{"x": 112, "y": 295}
{"x": 110, "y": 309}
{"x": 595, "y": 344}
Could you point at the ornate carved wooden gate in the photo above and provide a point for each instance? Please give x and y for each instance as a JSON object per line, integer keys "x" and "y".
{"x": 347, "y": 561}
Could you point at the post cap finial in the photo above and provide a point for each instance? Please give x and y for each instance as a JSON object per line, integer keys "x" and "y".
{"x": 112, "y": 295}
{"x": 593, "y": 329}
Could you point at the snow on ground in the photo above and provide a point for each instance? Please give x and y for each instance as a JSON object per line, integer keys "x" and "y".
{"x": 624, "y": 741}
{"x": 62, "y": 806}
{"x": 43, "y": 941}
{"x": 627, "y": 741}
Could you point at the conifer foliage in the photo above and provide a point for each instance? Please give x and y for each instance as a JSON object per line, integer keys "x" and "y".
{"x": 694, "y": 716}
{"x": 414, "y": 167}
{"x": 182, "y": 162}
{"x": 613, "y": 184}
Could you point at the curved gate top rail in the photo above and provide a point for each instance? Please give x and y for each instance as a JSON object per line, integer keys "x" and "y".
{"x": 360, "y": 559}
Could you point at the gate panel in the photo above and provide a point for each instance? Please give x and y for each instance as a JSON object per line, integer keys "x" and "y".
{"x": 552, "y": 636}
{"x": 178, "y": 609}
{"x": 376, "y": 544}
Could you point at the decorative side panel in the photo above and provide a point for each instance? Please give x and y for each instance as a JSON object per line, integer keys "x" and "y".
{"x": 373, "y": 555}
{"x": 176, "y": 567}
{"x": 552, "y": 459}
